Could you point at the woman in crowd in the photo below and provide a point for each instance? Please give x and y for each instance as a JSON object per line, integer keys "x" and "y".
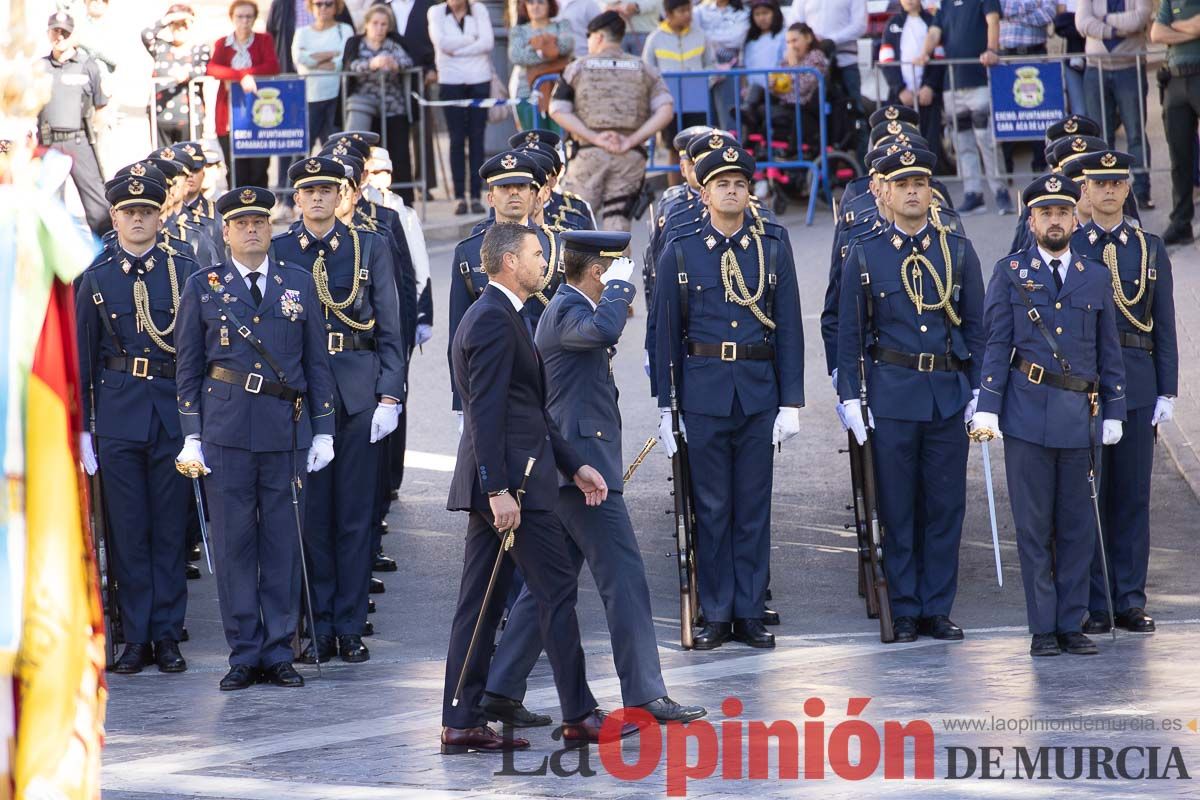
{"x": 378, "y": 101}
{"x": 538, "y": 45}
{"x": 764, "y": 49}
{"x": 800, "y": 89}
{"x": 318, "y": 48}
{"x": 177, "y": 59}
{"x": 239, "y": 57}
{"x": 462, "y": 41}
{"x": 725, "y": 24}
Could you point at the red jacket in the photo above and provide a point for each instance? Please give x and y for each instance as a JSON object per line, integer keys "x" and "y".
{"x": 263, "y": 58}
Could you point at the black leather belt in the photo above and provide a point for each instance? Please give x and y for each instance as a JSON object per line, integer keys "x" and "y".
{"x": 1137, "y": 341}
{"x": 140, "y": 367}
{"x": 731, "y": 351}
{"x": 1038, "y": 375}
{"x": 254, "y": 383}
{"x": 921, "y": 362}
{"x": 337, "y": 342}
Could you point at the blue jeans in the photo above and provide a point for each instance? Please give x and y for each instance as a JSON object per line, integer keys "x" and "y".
{"x": 322, "y": 120}
{"x": 1123, "y": 95}
{"x": 466, "y": 127}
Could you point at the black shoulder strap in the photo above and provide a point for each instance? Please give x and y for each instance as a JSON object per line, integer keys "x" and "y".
{"x": 364, "y": 276}
{"x": 681, "y": 276}
{"x": 955, "y": 268}
{"x": 105, "y": 320}
{"x": 253, "y": 340}
{"x": 1039, "y": 323}
{"x": 464, "y": 269}
{"x": 1151, "y": 280}
{"x": 772, "y": 281}
{"x": 864, "y": 279}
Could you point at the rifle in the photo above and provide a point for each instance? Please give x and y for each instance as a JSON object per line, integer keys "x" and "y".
{"x": 108, "y": 584}
{"x": 871, "y": 532}
{"x": 685, "y": 524}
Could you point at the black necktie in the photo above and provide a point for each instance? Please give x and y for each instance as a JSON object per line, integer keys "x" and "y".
{"x": 255, "y": 292}
{"x": 1055, "y": 263}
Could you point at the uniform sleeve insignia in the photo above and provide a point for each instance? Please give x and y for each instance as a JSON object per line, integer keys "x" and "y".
{"x": 1014, "y": 264}
{"x": 926, "y": 242}
{"x": 1053, "y": 185}
{"x": 1023, "y": 274}
{"x": 1108, "y": 160}
{"x": 278, "y": 279}
{"x": 214, "y": 282}
{"x": 136, "y": 188}
{"x": 228, "y": 298}
{"x": 138, "y": 170}
{"x": 204, "y": 298}
{"x": 908, "y": 159}
{"x": 1079, "y": 266}
{"x": 508, "y": 162}
{"x": 1070, "y": 126}
{"x": 1124, "y": 237}
{"x": 1036, "y": 264}
{"x": 730, "y": 154}
{"x": 228, "y": 277}
{"x": 334, "y": 242}
{"x": 289, "y": 304}
{"x": 1029, "y": 286}
{"x": 710, "y": 241}
{"x": 1093, "y": 236}
{"x": 126, "y": 266}
{"x": 1078, "y": 145}
{"x": 897, "y": 241}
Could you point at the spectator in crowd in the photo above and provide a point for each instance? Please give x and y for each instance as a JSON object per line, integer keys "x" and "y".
{"x": 677, "y": 46}
{"x": 1023, "y": 31}
{"x": 539, "y": 44}
{"x": 318, "y": 47}
{"x": 178, "y": 58}
{"x": 765, "y": 46}
{"x": 1115, "y": 86}
{"x": 461, "y": 31}
{"x": 640, "y": 21}
{"x": 577, "y": 14}
{"x": 725, "y": 24}
{"x": 970, "y": 29}
{"x": 1064, "y": 28}
{"x": 94, "y": 34}
{"x": 799, "y": 89}
{"x": 909, "y": 84}
{"x": 1181, "y": 107}
{"x": 285, "y": 18}
{"x": 842, "y": 22}
{"x": 239, "y": 57}
{"x": 379, "y": 102}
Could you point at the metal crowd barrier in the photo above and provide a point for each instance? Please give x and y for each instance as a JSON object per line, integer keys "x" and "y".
{"x": 414, "y": 79}
{"x": 1075, "y": 89}
{"x": 781, "y": 154}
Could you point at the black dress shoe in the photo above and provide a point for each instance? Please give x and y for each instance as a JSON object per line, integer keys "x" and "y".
{"x": 193, "y": 572}
{"x": 1135, "y": 620}
{"x": 664, "y": 709}
{"x": 384, "y": 564}
{"x": 370, "y": 606}
{"x": 477, "y": 207}
{"x": 460, "y": 208}
{"x": 1097, "y": 622}
{"x": 752, "y": 632}
{"x": 940, "y": 627}
{"x": 168, "y": 657}
{"x": 324, "y": 649}
{"x": 770, "y": 616}
{"x": 376, "y": 587}
{"x": 904, "y": 629}
{"x": 456, "y": 741}
{"x": 134, "y": 658}
{"x": 283, "y": 674}
{"x": 352, "y": 650}
{"x": 510, "y": 712}
{"x": 194, "y": 554}
{"x": 1077, "y": 644}
{"x": 1178, "y": 234}
{"x": 239, "y": 676}
{"x": 1044, "y": 644}
{"x": 394, "y": 495}
{"x": 368, "y": 628}
{"x": 712, "y": 636}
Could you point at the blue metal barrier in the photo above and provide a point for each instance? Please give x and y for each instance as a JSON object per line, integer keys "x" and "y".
{"x": 777, "y": 153}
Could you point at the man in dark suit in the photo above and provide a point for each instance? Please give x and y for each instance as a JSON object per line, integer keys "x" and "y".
{"x": 499, "y": 375}
{"x": 577, "y": 339}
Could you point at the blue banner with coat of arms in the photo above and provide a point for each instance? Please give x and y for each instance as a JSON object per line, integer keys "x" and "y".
{"x": 1026, "y": 99}
{"x": 273, "y": 122}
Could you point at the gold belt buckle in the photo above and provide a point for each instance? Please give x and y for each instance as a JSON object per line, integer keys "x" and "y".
{"x": 1036, "y": 369}
{"x": 925, "y": 362}
{"x": 141, "y": 367}
{"x": 336, "y": 343}
{"x": 729, "y": 351}
{"x": 254, "y": 383}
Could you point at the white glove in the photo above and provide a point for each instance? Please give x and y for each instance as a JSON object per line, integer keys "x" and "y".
{"x": 191, "y": 452}
{"x": 971, "y": 404}
{"x": 646, "y": 362}
{"x": 320, "y": 453}
{"x": 985, "y": 421}
{"x": 1111, "y": 431}
{"x": 1164, "y": 411}
{"x": 460, "y": 422}
{"x": 854, "y": 419}
{"x": 833, "y": 380}
{"x": 424, "y": 332}
{"x": 619, "y": 270}
{"x": 666, "y": 436}
{"x": 384, "y": 420}
{"x": 841, "y": 412}
{"x": 87, "y": 454}
{"x": 787, "y": 425}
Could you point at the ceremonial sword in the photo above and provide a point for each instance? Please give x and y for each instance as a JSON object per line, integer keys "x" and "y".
{"x": 193, "y": 470}
{"x": 991, "y": 495}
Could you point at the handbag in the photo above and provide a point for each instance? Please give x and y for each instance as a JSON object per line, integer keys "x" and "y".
{"x": 554, "y": 66}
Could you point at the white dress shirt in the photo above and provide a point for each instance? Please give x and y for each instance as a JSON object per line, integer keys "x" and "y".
{"x": 585, "y": 297}
{"x": 463, "y": 55}
{"x": 1065, "y": 258}
{"x": 402, "y": 8}
{"x": 843, "y": 22}
{"x": 912, "y": 44}
{"x": 245, "y": 271}
{"x": 510, "y": 294}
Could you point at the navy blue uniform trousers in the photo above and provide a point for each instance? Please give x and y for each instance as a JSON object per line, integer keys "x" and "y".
{"x": 256, "y": 550}
{"x": 541, "y": 553}
{"x": 1125, "y": 510}
{"x": 337, "y": 536}
{"x": 147, "y": 506}
{"x": 1056, "y": 531}
{"x": 921, "y": 474}
{"x": 731, "y": 462}
{"x": 603, "y": 537}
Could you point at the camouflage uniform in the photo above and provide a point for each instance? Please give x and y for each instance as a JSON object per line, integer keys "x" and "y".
{"x": 609, "y": 91}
